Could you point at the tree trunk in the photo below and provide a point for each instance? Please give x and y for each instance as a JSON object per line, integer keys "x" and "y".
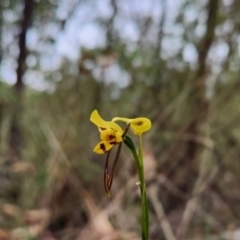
{"x": 200, "y": 103}
{"x": 185, "y": 171}
{"x": 15, "y": 134}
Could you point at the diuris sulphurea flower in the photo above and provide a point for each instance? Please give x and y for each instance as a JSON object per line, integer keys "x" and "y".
{"x": 111, "y": 134}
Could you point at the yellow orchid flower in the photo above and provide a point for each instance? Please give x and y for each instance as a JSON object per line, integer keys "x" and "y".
{"x": 137, "y": 125}
{"x": 103, "y": 125}
{"x": 110, "y": 133}
{"x": 103, "y": 147}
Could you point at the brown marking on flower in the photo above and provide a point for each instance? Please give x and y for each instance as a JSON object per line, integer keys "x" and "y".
{"x": 111, "y": 137}
{"x": 113, "y": 129}
{"x": 102, "y": 147}
{"x": 139, "y": 123}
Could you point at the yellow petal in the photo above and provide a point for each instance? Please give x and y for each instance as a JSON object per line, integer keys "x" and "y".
{"x": 103, "y": 147}
{"x": 97, "y": 120}
{"x": 111, "y": 136}
{"x": 118, "y": 137}
{"x": 102, "y": 124}
{"x": 140, "y": 125}
{"x": 115, "y": 127}
{"x": 126, "y": 120}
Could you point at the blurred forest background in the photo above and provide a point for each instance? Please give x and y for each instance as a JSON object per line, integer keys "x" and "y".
{"x": 176, "y": 62}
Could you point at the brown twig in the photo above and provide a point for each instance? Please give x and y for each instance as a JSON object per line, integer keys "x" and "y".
{"x": 165, "y": 225}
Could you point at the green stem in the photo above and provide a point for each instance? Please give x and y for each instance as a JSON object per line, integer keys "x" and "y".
{"x": 144, "y": 205}
{"x": 140, "y": 170}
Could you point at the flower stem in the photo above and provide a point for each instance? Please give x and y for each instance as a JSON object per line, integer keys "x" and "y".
{"x": 144, "y": 205}
{"x": 140, "y": 170}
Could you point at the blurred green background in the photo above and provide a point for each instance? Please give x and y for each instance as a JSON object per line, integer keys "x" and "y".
{"x": 176, "y": 62}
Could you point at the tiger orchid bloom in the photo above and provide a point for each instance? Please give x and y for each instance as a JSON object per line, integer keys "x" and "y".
{"x": 110, "y": 133}
{"x": 138, "y": 125}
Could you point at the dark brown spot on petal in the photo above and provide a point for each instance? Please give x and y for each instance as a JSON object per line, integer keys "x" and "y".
{"x": 113, "y": 142}
{"x": 111, "y": 137}
{"x": 139, "y": 123}
{"x": 101, "y": 128}
{"x": 102, "y": 147}
{"x": 113, "y": 129}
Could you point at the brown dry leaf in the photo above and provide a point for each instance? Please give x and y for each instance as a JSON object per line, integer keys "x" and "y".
{"x": 11, "y": 210}
{"x": 4, "y": 234}
{"x": 26, "y": 233}
{"x": 116, "y": 235}
{"x": 38, "y": 216}
{"x": 36, "y": 230}
{"x": 37, "y": 220}
{"x": 48, "y": 236}
{"x": 100, "y": 228}
{"x": 23, "y": 167}
{"x": 19, "y": 234}
{"x": 101, "y": 225}
{"x": 130, "y": 235}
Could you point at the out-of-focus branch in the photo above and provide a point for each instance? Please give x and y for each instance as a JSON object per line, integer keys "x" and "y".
{"x": 110, "y": 27}
{"x": 207, "y": 217}
{"x": 24, "y": 26}
{"x": 15, "y": 136}
{"x": 166, "y": 227}
{"x": 208, "y": 38}
{"x": 1, "y": 29}
{"x": 160, "y": 29}
{"x": 156, "y": 88}
{"x": 201, "y": 112}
